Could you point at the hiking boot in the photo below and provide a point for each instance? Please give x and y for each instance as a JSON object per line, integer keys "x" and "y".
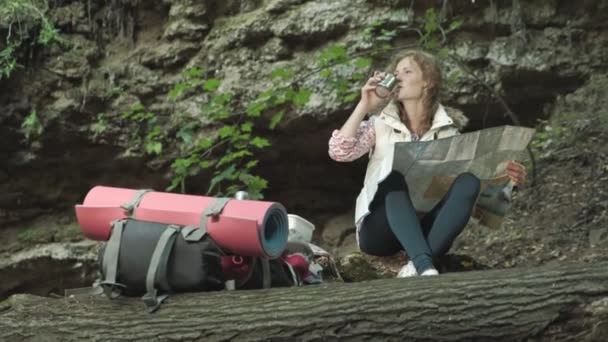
{"x": 409, "y": 270}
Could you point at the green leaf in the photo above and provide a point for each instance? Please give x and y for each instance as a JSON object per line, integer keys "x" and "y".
{"x": 226, "y": 174}
{"x": 430, "y": 21}
{"x": 255, "y": 185}
{"x": 247, "y": 126}
{"x": 276, "y": 119}
{"x": 154, "y": 147}
{"x": 193, "y": 73}
{"x": 185, "y": 134}
{"x": 222, "y": 99}
{"x": 230, "y": 157}
{"x": 243, "y": 137}
{"x": 226, "y": 131}
{"x": 138, "y": 107}
{"x": 177, "y": 90}
{"x": 301, "y": 97}
{"x": 181, "y": 165}
{"x": 255, "y": 109}
{"x": 259, "y": 142}
{"x": 47, "y": 33}
{"x": 282, "y": 73}
{"x": 454, "y": 25}
{"x": 282, "y": 96}
{"x": 99, "y": 127}
{"x": 362, "y": 62}
{"x": 211, "y": 84}
{"x": 334, "y": 52}
{"x": 204, "y": 143}
{"x": 251, "y": 164}
{"x": 175, "y": 182}
{"x": 31, "y": 127}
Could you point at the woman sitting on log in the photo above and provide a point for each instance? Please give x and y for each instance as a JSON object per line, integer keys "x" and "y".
{"x": 386, "y": 219}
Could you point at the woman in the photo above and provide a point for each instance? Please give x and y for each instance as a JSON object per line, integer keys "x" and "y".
{"x": 386, "y": 219}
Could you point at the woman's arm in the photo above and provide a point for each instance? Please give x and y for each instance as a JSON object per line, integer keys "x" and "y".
{"x": 369, "y": 103}
{"x": 357, "y": 137}
{"x": 345, "y": 149}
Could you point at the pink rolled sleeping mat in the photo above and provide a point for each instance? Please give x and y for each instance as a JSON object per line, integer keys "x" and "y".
{"x": 244, "y": 227}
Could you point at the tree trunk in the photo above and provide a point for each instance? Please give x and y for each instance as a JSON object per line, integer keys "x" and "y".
{"x": 567, "y": 302}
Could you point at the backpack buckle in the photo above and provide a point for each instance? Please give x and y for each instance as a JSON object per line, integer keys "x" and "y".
{"x": 112, "y": 290}
{"x": 153, "y": 301}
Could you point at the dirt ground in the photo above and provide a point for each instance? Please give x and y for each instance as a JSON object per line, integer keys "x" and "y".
{"x": 561, "y": 217}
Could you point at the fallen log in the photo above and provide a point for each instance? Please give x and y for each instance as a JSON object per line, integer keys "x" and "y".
{"x": 559, "y": 302}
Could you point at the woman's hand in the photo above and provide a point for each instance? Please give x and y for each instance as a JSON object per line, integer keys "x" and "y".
{"x": 516, "y": 172}
{"x": 369, "y": 100}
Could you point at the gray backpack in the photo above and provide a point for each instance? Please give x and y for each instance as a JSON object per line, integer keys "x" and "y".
{"x": 156, "y": 259}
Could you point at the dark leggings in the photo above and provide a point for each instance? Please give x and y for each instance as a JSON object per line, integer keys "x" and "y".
{"x": 394, "y": 226}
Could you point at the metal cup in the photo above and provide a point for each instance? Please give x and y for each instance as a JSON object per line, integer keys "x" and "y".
{"x": 386, "y": 86}
{"x": 241, "y": 195}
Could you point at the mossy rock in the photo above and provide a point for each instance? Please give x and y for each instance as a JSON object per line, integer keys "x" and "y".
{"x": 359, "y": 267}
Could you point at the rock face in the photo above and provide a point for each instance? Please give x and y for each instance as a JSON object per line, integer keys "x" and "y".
{"x": 563, "y": 216}
{"x": 49, "y": 269}
{"x": 125, "y": 52}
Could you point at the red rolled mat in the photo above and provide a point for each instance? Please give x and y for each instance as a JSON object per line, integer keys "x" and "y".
{"x": 244, "y": 227}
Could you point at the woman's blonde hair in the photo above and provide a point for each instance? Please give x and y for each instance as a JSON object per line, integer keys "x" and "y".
{"x": 431, "y": 73}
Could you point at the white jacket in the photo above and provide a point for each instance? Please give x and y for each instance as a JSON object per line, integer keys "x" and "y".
{"x": 390, "y": 129}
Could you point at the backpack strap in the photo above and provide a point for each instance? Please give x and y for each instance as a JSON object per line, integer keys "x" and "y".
{"x": 266, "y": 278}
{"x": 110, "y": 287}
{"x": 293, "y": 274}
{"x": 134, "y": 202}
{"x": 213, "y": 209}
{"x": 187, "y": 232}
{"x": 158, "y": 265}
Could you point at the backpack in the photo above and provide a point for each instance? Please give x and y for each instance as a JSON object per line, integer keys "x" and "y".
{"x": 292, "y": 268}
{"x": 266, "y": 273}
{"x": 156, "y": 259}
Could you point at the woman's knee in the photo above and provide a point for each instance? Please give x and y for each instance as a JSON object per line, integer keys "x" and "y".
{"x": 467, "y": 184}
{"x": 371, "y": 246}
{"x": 395, "y": 182}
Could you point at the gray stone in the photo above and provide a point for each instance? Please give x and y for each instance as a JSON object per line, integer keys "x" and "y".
{"x": 168, "y": 55}
{"x": 356, "y": 267}
{"x": 65, "y": 265}
{"x": 186, "y": 30}
{"x": 281, "y": 6}
{"x": 275, "y": 50}
{"x": 336, "y": 228}
{"x": 188, "y": 9}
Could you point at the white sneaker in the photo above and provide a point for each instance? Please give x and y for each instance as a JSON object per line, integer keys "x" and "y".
{"x": 409, "y": 270}
{"x": 430, "y": 272}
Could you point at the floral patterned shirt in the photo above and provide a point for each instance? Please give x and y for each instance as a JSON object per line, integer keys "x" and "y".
{"x": 345, "y": 149}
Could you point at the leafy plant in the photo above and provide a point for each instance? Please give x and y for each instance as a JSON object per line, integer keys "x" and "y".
{"x": 231, "y": 153}
{"x": 26, "y": 14}
{"x": 8, "y": 62}
{"x": 100, "y": 126}
{"x": 342, "y": 71}
{"x": 31, "y": 126}
{"x": 147, "y": 133}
